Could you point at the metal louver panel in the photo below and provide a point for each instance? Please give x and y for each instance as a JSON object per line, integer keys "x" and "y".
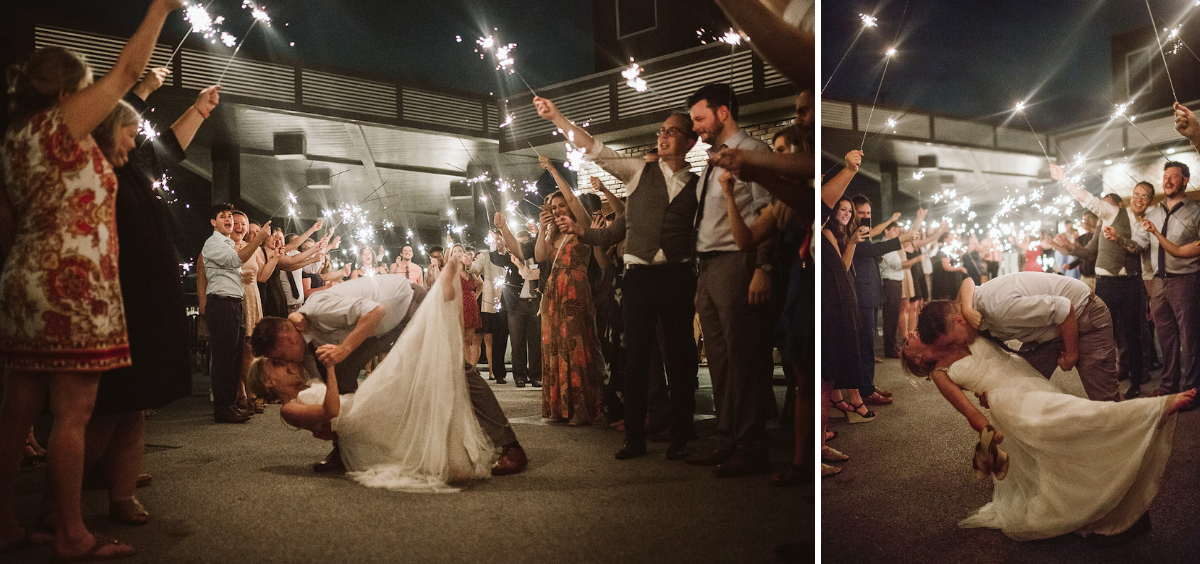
{"x": 670, "y": 89}
{"x": 101, "y": 51}
{"x": 838, "y": 115}
{"x": 244, "y": 77}
{"x": 338, "y": 92}
{"x": 494, "y": 119}
{"x": 772, "y": 77}
{"x": 441, "y": 109}
{"x": 588, "y": 106}
{"x": 963, "y": 131}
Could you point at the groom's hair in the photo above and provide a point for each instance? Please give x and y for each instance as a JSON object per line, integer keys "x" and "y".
{"x": 266, "y": 331}
{"x": 932, "y": 322}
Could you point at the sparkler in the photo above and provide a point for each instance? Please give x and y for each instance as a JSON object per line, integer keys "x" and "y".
{"x": 201, "y": 23}
{"x": 887, "y": 61}
{"x": 259, "y": 15}
{"x": 1120, "y": 113}
{"x": 1020, "y": 109}
{"x": 633, "y": 77}
{"x": 503, "y": 57}
{"x": 868, "y": 22}
{"x": 1161, "y": 53}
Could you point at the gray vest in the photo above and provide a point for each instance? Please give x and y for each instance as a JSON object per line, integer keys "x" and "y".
{"x": 1111, "y": 256}
{"x": 653, "y": 221}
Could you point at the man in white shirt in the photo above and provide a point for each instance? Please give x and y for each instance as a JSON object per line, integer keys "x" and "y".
{"x": 891, "y": 270}
{"x": 1060, "y": 322}
{"x": 223, "y": 312}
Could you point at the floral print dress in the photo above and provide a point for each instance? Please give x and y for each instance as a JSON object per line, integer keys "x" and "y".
{"x": 60, "y": 296}
{"x": 572, "y": 384}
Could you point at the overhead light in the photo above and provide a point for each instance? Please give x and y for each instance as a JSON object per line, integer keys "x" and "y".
{"x": 318, "y": 178}
{"x": 1171, "y": 151}
{"x": 290, "y": 146}
{"x": 1107, "y": 161}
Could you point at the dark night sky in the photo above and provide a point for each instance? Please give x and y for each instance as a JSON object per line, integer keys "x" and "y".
{"x": 977, "y": 58}
{"x": 406, "y": 39}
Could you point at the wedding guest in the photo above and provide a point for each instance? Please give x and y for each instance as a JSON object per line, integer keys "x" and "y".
{"x": 658, "y": 285}
{"x": 404, "y": 265}
{"x": 435, "y": 266}
{"x": 470, "y": 285}
{"x": 59, "y": 345}
{"x": 495, "y": 320}
{"x": 522, "y": 295}
{"x": 155, "y": 313}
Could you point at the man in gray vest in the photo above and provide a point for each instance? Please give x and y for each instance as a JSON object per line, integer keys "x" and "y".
{"x": 660, "y": 280}
{"x": 1118, "y": 276}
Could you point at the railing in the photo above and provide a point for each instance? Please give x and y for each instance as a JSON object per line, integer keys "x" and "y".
{"x": 296, "y": 88}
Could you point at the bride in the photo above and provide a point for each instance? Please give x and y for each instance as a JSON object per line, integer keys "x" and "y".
{"x": 1073, "y": 465}
{"x": 410, "y": 426}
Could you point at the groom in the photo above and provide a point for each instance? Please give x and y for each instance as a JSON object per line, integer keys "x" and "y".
{"x": 1059, "y": 321}
{"x": 352, "y": 323}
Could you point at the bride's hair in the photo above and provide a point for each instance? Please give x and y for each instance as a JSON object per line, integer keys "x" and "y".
{"x": 913, "y": 368}
{"x": 256, "y": 379}
{"x": 933, "y": 320}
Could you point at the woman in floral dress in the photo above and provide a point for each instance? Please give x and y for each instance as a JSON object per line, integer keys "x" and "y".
{"x": 572, "y": 384}
{"x": 61, "y": 316}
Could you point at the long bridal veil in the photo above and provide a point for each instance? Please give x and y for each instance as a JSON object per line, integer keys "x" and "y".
{"x": 410, "y": 426}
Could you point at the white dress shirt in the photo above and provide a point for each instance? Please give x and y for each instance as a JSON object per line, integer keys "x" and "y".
{"x": 1029, "y": 306}
{"x": 222, "y": 267}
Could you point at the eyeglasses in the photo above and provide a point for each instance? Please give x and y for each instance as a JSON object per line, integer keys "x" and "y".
{"x": 1139, "y": 197}
{"x": 672, "y": 131}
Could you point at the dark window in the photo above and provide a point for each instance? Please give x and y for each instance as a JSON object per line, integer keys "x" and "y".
{"x": 636, "y": 16}
{"x": 1139, "y": 71}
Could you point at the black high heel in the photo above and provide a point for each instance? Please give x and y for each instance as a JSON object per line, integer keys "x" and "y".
{"x": 853, "y": 416}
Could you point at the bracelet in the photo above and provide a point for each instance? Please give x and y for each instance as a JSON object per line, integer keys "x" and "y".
{"x": 202, "y": 113}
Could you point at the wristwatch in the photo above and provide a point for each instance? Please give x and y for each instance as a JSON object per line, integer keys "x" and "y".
{"x": 764, "y": 267}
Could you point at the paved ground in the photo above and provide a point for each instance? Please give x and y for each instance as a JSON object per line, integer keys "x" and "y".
{"x": 225, "y": 493}
{"x": 909, "y": 481}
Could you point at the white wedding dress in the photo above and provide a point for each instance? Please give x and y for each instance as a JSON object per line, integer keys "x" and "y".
{"x": 410, "y": 426}
{"x": 1075, "y": 465}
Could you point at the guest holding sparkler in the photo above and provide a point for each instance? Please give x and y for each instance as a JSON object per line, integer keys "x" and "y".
{"x": 521, "y": 297}
{"x": 946, "y": 276}
{"x": 571, "y": 377}
{"x": 404, "y": 265}
{"x": 659, "y": 281}
{"x": 153, "y": 295}
{"x": 494, "y": 319}
{"x": 435, "y": 266}
{"x": 1118, "y": 274}
{"x": 1173, "y": 292}
{"x": 71, "y": 326}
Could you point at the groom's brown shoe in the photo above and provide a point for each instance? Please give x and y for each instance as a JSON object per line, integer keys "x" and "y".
{"x": 512, "y": 461}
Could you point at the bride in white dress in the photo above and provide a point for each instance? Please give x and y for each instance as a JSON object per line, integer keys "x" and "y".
{"x": 1075, "y": 465}
{"x": 410, "y": 426}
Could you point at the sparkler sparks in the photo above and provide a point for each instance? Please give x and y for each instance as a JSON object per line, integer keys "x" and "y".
{"x": 228, "y": 39}
{"x": 1120, "y": 111}
{"x": 1020, "y": 107}
{"x": 918, "y": 175}
{"x": 146, "y": 129}
{"x": 868, "y": 21}
{"x": 633, "y": 77}
{"x": 508, "y": 119}
{"x": 891, "y": 51}
{"x": 732, "y": 37}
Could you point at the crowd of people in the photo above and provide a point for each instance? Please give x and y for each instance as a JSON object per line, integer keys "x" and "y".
{"x": 382, "y": 359}
{"x": 999, "y": 316}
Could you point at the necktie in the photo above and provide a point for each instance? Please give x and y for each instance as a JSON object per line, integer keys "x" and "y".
{"x": 292, "y": 284}
{"x": 1162, "y": 253}
{"x": 704, "y": 185}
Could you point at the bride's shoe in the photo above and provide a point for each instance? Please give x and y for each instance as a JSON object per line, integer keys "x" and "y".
{"x": 983, "y": 461}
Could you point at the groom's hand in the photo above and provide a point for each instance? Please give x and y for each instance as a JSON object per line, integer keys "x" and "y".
{"x": 1067, "y": 361}
{"x": 330, "y": 355}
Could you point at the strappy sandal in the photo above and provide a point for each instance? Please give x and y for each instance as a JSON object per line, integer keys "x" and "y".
{"x": 129, "y": 511}
{"x": 837, "y": 411}
{"x": 93, "y": 554}
{"x": 856, "y": 417}
{"x": 982, "y": 462}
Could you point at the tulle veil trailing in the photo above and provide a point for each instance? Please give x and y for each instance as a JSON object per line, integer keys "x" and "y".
{"x": 410, "y": 426}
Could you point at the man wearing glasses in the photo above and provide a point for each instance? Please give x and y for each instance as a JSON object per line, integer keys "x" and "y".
{"x": 660, "y": 281}
{"x": 1118, "y": 272}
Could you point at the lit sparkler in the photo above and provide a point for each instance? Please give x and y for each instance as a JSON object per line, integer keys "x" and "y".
{"x": 1160, "y": 51}
{"x": 259, "y": 15}
{"x": 146, "y": 129}
{"x": 633, "y": 77}
{"x": 868, "y": 21}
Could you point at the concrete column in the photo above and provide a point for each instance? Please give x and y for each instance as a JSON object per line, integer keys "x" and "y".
{"x": 226, "y": 173}
{"x": 889, "y": 188}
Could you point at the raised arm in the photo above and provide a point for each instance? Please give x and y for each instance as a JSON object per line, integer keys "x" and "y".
{"x": 875, "y": 231}
{"x": 252, "y": 245}
{"x": 509, "y": 241}
{"x": 617, "y": 205}
{"x": 832, "y": 191}
{"x": 84, "y": 110}
{"x": 1187, "y": 126}
{"x": 787, "y": 47}
{"x": 565, "y": 189}
{"x": 575, "y": 134}
{"x": 295, "y": 244}
{"x": 547, "y": 229}
{"x": 186, "y": 126}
